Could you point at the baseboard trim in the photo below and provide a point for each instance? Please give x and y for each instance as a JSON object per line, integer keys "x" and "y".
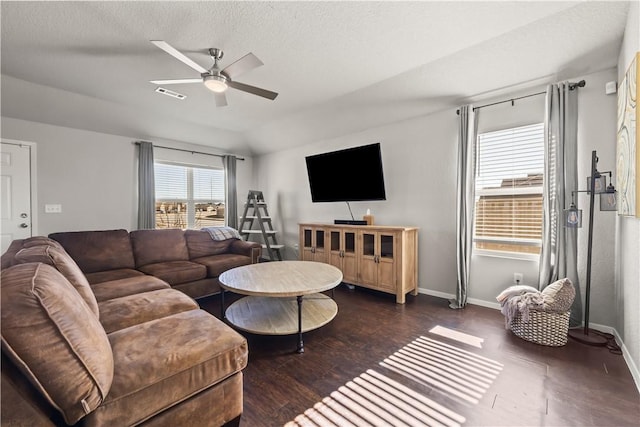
{"x": 635, "y": 372}
{"x": 474, "y": 301}
{"x": 435, "y": 293}
{"x": 482, "y": 303}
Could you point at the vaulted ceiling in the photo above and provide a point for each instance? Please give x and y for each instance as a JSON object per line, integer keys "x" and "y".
{"x": 339, "y": 67}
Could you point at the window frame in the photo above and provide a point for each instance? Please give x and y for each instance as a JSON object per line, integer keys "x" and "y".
{"x": 507, "y": 191}
{"x": 190, "y": 201}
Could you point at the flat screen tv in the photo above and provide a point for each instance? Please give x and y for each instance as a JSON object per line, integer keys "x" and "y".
{"x": 350, "y": 175}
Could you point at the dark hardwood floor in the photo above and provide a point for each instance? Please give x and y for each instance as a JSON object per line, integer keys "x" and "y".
{"x": 387, "y": 357}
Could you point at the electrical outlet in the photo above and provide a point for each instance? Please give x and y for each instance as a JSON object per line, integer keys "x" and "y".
{"x": 517, "y": 278}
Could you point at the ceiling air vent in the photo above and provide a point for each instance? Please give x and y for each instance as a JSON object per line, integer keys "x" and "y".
{"x": 170, "y": 93}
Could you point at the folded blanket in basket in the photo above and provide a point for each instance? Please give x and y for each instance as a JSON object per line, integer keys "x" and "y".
{"x": 556, "y": 297}
{"x": 521, "y": 304}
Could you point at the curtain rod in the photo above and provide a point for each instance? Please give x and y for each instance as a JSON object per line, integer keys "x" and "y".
{"x": 572, "y": 86}
{"x": 193, "y": 152}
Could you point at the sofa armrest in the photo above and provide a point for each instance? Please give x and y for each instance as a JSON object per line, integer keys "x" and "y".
{"x": 250, "y": 249}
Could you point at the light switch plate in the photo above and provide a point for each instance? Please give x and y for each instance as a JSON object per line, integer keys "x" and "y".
{"x": 52, "y": 208}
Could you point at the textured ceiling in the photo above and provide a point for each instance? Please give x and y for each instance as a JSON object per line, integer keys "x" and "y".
{"x": 339, "y": 67}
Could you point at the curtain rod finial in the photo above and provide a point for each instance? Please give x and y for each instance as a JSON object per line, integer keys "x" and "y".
{"x": 581, "y": 83}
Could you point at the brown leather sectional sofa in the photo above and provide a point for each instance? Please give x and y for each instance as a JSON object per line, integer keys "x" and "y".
{"x": 100, "y": 328}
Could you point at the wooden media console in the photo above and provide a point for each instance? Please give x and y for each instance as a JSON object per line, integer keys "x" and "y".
{"x": 384, "y": 258}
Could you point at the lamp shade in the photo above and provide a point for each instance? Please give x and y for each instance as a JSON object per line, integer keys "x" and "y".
{"x": 573, "y": 217}
{"x": 608, "y": 199}
{"x": 600, "y": 184}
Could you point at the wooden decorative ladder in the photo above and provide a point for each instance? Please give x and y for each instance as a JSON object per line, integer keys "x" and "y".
{"x": 256, "y": 213}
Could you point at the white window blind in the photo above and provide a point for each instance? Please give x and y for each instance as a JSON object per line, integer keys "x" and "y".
{"x": 171, "y": 182}
{"x": 510, "y": 167}
{"x": 208, "y": 184}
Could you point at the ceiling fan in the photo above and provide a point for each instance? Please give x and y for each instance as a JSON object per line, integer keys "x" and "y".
{"x": 215, "y": 79}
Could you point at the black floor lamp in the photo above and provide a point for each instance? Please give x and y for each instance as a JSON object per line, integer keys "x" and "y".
{"x": 597, "y": 184}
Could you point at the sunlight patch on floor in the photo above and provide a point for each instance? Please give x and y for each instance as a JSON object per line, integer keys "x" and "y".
{"x": 373, "y": 399}
{"x": 453, "y": 371}
{"x": 458, "y": 336}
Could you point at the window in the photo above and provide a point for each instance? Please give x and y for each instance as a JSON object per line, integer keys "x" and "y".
{"x": 188, "y": 197}
{"x": 510, "y": 167}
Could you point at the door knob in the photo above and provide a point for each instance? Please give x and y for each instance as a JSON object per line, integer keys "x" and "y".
{"x": 24, "y": 225}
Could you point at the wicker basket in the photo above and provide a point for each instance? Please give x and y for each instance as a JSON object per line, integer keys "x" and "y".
{"x": 543, "y": 327}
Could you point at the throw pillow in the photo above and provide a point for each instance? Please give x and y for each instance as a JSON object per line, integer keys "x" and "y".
{"x": 62, "y": 261}
{"x": 54, "y": 339}
{"x": 558, "y": 296}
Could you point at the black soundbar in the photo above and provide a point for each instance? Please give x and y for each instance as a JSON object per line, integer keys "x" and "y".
{"x": 350, "y": 221}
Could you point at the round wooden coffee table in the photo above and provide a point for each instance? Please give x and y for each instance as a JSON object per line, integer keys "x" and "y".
{"x": 275, "y": 294}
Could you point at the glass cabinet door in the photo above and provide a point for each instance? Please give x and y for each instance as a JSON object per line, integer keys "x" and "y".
{"x": 386, "y": 246}
{"x": 350, "y": 242}
{"x": 368, "y": 244}
{"x": 307, "y": 238}
{"x": 335, "y": 240}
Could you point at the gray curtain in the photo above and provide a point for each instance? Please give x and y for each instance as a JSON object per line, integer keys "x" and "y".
{"x": 146, "y": 187}
{"x": 230, "y": 191}
{"x": 467, "y": 128}
{"x": 558, "y": 258}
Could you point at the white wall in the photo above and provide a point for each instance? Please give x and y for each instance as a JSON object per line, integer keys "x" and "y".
{"x": 93, "y": 175}
{"x": 627, "y": 272}
{"x": 596, "y": 131}
{"x": 419, "y": 158}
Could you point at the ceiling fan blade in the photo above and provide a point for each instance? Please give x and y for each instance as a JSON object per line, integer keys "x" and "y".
{"x": 221, "y": 99}
{"x": 178, "y": 55}
{"x": 253, "y": 90}
{"x": 175, "y": 81}
{"x": 241, "y": 66}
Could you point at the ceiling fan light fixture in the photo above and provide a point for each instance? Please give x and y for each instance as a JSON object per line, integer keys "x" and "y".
{"x": 215, "y": 79}
{"x": 217, "y": 84}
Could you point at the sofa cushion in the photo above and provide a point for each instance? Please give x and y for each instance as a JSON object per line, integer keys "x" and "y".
{"x": 195, "y": 351}
{"x": 51, "y": 334}
{"x": 128, "y": 286}
{"x": 58, "y": 258}
{"x": 8, "y": 258}
{"x": 98, "y": 250}
{"x": 249, "y": 249}
{"x": 200, "y": 244}
{"x": 176, "y": 272}
{"x": 120, "y": 313}
{"x": 108, "y": 275}
{"x": 218, "y": 264}
{"x": 200, "y": 288}
{"x": 155, "y": 246}
{"x": 227, "y": 396}
{"x": 40, "y": 241}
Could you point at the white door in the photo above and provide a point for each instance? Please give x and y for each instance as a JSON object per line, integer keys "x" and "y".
{"x": 15, "y": 193}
